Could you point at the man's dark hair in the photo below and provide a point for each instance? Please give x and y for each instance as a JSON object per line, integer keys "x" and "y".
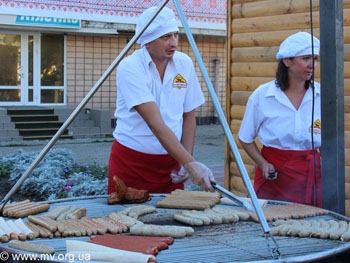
{"x": 282, "y": 80}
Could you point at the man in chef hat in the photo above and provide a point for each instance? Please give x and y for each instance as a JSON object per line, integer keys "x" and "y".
{"x": 157, "y": 94}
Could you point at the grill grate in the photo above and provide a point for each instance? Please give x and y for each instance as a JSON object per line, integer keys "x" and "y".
{"x": 243, "y": 241}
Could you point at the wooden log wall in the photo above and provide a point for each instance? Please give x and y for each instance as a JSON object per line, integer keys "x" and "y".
{"x": 256, "y": 28}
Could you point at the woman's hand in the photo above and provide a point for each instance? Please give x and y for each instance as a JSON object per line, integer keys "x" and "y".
{"x": 269, "y": 172}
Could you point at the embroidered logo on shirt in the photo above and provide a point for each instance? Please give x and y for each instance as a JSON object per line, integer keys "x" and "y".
{"x": 316, "y": 127}
{"x": 179, "y": 82}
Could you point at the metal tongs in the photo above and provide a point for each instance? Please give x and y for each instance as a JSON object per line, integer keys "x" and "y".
{"x": 233, "y": 197}
{"x": 272, "y": 248}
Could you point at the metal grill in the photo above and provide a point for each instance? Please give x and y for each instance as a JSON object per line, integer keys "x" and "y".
{"x": 243, "y": 241}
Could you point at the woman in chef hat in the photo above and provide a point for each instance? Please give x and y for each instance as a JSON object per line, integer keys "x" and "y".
{"x": 285, "y": 115}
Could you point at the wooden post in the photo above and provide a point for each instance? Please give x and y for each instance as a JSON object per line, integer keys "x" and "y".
{"x": 332, "y": 104}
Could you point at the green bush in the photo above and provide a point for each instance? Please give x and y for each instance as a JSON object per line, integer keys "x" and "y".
{"x": 5, "y": 168}
{"x": 56, "y": 176}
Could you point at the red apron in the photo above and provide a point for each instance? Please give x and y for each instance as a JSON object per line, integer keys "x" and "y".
{"x": 296, "y": 181}
{"x": 142, "y": 171}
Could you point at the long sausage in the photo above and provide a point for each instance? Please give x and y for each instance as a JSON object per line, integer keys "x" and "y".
{"x": 14, "y": 205}
{"x": 44, "y": 222}
{"x": 32, "y": 210}
{"x": 53, "y": 214}
{"x": 161, "y": 230}
{"x": 31, "y": 247}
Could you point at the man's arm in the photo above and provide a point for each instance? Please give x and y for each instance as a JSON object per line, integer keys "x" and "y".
{"x": 189, "y": 130}
{"x": 166, "y": 137}
{"x": 199, "y": 173}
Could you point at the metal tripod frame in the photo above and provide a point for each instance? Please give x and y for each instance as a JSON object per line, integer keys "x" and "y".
{"x": 77, "y": 110}
{"x": 213, "y": 95}
{"x": 227, "y": 130}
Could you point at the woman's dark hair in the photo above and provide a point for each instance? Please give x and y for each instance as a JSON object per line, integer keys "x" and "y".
{"x": 282, "y": 80}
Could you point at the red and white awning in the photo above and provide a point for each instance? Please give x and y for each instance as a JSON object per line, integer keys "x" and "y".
{"x": 204, "y": 14}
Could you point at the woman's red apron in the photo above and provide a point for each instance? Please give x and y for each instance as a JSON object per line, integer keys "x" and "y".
{"x": 142, "y": 171}
{"x": 296, "y": 181}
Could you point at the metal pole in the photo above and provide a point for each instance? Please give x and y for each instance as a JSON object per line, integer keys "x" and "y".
{"x": 76, "y": 111}
{"x": 332, "y": 105}
{"x": 223, "y": 121}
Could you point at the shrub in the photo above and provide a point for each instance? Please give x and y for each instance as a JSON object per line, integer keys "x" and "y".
{"x": 5, "y": 168}
{"x": 84, "y": 180}
{"x": 56, "y": 176}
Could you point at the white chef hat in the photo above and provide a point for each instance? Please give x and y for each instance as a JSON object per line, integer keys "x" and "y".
{"x": 162, "y": 24}
{"x": 298, "y": 44}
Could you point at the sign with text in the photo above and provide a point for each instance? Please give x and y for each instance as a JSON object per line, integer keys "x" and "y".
{"x": 47, "y": 22}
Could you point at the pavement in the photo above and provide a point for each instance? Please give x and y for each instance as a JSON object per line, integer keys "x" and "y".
{"x": 209, "y": 148}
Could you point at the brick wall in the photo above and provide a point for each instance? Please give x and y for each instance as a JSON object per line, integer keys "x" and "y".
{"x": 88, "y": 57}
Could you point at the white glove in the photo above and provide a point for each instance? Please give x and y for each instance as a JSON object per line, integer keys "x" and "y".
{"x": 179, "y": 176}
{"x": 200, "y": 175}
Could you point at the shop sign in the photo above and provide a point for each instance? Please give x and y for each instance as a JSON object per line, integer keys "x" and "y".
{"x": 47, "y": 22}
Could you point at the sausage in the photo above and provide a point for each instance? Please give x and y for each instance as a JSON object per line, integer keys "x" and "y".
{"x": 41, "y": 231}
{"x": 3, "y": 236}
{"x": 186, "y": 219}
{"x": 198, "y": 214}
{"x": 101, "y": 229}
{"x": 336, "y": 234}
{"x": 78, "y": 213}
{"x": 11, "y": 212}
{"x": 294, "y": 227}
{"x": 146, "y": 245}
{"x": 62, "y": 216}
{"x": 32, "y": 210}
{"x": 53, "y": 214}
{"x": 275, "y": 230}
{"x": 31, "y": 247}
{"x": 124, "y": 219}
{"x": 121, "y": 226}
{"x": 322, "y": 232}
{"x": 14, "y": 205}
{"x": 315, "y": 225}
{"x": 90, "y": 230}
{"x": 11, "y": 229}
{"x": 324, "y": 229}
{"x": 230, "y": 215}
{"x": 62, "y": 230}
{"x": 141, "y": 210}
{"x": 45, "y": 222}
{"x": 25, "y": 230}
{"x": 112, "y": 226}
{"x": 215, "y": 218}
{"x": 75, "y": 227}
{"x": 137, "y": 211}
{"x": 34, "y": 230}
{"x": 161, "y": 230}
{"x": 346, "y": 235}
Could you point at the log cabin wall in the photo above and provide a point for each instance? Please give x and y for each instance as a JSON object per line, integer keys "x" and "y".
{"x": 255, "y": 29}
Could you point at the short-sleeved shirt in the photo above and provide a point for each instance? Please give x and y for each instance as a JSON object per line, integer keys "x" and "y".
{"x": 138, "y": 82}
{"x": 271, "y": 116}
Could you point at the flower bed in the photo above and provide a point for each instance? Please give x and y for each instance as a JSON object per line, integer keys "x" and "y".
{"x": 56, "y": 176}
